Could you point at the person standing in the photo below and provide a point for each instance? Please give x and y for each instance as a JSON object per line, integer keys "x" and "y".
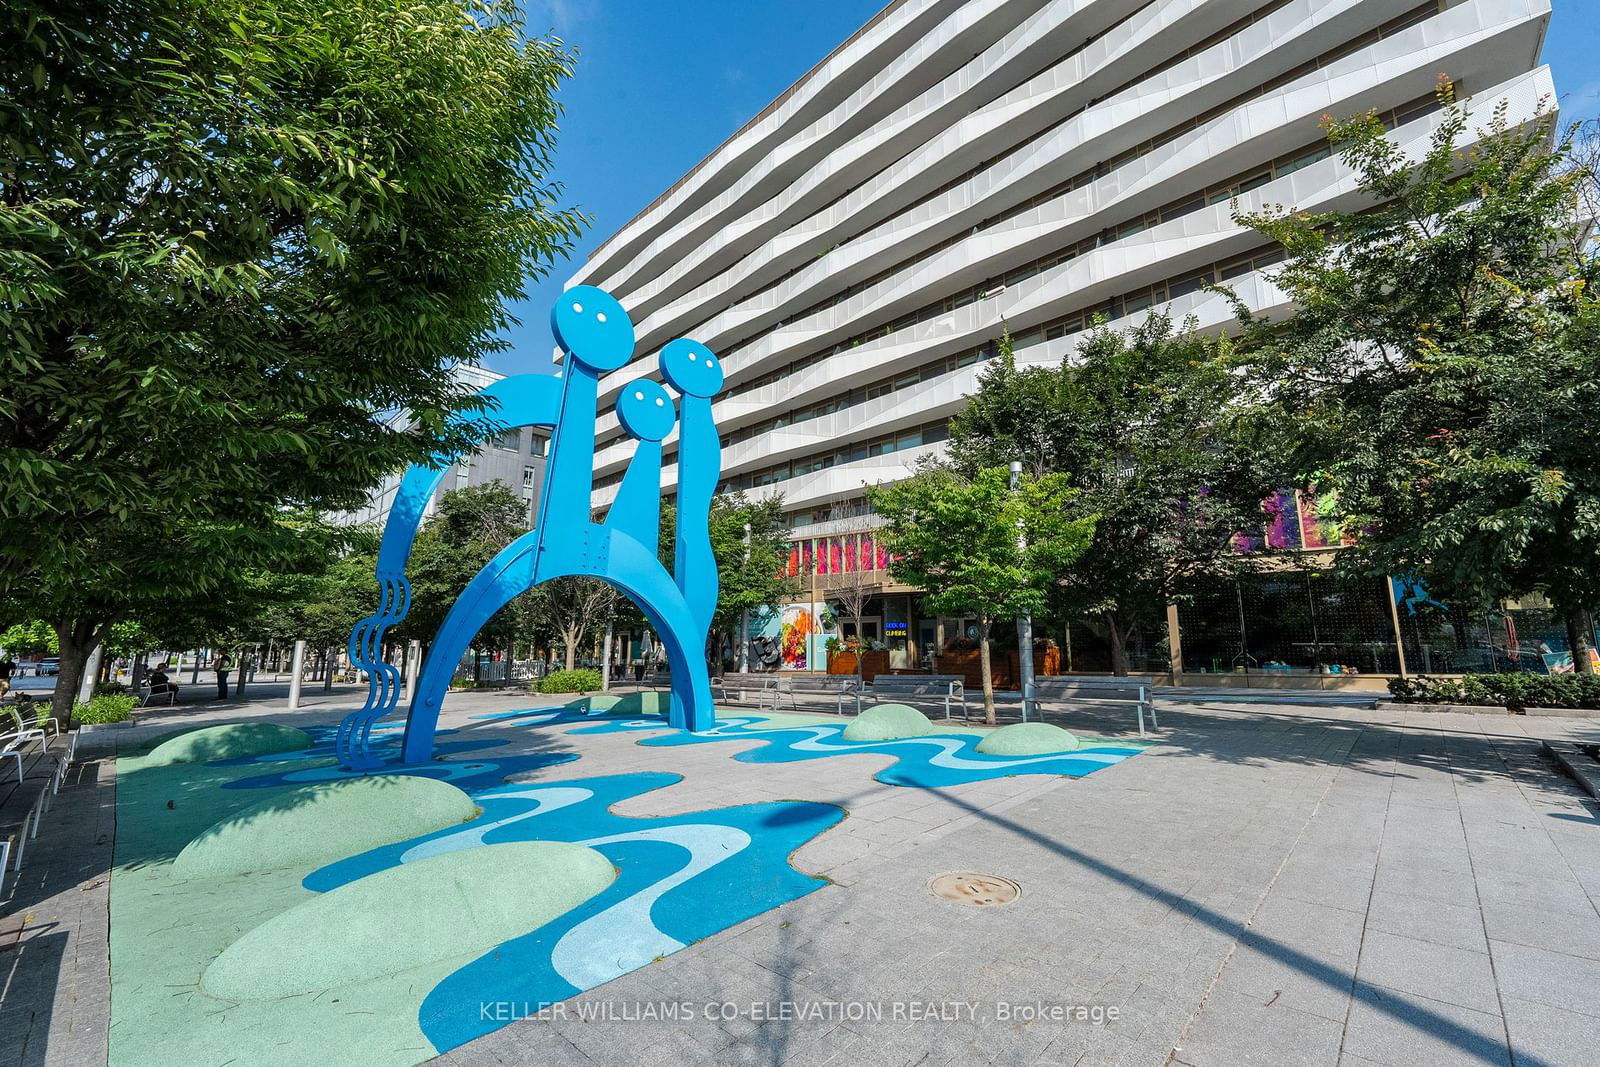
{"x": 224, "y": 666}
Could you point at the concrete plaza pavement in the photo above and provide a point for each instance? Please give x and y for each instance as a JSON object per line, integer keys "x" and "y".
{"x": 1271, "y": 884}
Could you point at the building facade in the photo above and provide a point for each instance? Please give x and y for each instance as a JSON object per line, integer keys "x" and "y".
{"x": 515, "y": 458}
{"x": 959, "y": 166}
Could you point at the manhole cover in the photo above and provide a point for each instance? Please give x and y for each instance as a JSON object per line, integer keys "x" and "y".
{"x": 975, "y": 890}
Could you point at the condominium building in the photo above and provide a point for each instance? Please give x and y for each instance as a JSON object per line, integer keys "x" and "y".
{"x": 959, "y": 167}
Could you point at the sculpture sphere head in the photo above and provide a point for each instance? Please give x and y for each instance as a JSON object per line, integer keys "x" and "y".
{"x": 645, "y": 410}
{"x": 691, "y": 368}
{"x": 593, "y": 328}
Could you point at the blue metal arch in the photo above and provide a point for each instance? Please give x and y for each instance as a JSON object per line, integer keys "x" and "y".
{"x": 518, "y": 400}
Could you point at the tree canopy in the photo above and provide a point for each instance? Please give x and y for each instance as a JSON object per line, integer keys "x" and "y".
{"x": 1153, "y": 428}
{"x": 1441, "y": 372}
{"x": 957, "y": 537}
{"x": 234, "y": 235}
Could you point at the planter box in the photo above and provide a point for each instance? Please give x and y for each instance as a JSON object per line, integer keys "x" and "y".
{"x": 968, "y": 663}
{"x": 872, "y": 664}
{"x": 1489, "y": 709}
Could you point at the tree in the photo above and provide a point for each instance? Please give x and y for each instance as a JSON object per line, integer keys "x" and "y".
{"x": 750, "y": 576}
{"x": 233, "y": 234}
{"x": 469, "y": 528}
{"x": 574, "y": 605}
{"x": 1153, "y": 427}
{"x": 1442, "y": 372}
{"x": 957, "y": 537}
{"x": 33, "y": 638}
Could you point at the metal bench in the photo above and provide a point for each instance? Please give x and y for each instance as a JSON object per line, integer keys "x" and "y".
{"x": 45, "y": 730}
{"x": 733, "y": 686}
{"x": 147, "y": 694}
{"x": 946, "y": 689}
{"x": 1112, "y": 690}
{"x": 653, "y": 680}
{"x": 835, "y": 685}
{"x": 24, "y": 801}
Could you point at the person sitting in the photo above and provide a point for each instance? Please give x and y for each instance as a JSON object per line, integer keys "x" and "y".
{"x": 161, "y": 685}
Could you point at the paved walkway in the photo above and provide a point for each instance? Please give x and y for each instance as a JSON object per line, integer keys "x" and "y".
{"x": 1277, "y": 885}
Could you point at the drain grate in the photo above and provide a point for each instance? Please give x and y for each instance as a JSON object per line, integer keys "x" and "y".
{"x": 975, "y": 890}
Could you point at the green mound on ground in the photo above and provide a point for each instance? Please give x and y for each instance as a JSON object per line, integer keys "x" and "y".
{"x": 228, "y": 742}
{"x": 642, "y": 704}
{"x": 594, "y": 704}
{"x": 318, "y": 824}
{"x": 889, "y": 722}
{"x": 459, "y": 904}
{"x": 1027, "y": 739}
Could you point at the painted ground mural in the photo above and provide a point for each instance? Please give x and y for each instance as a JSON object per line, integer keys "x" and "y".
{"x": 258, "y": 884}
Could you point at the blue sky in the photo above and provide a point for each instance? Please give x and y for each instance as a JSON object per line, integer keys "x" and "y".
{"x": 660, "y": 83}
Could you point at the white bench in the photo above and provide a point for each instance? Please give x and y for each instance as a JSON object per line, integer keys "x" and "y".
{"x": 837, "y": 686}
{"x": 733, "y": 686}
{"x": 948, "y": 689}
{"x": 24, "y": 802}
{"x": 1112, "y": 690}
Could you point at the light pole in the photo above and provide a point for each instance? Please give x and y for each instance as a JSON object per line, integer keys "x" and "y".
{"x": 744, "y": 616}
{"x": 1025, "y": 620}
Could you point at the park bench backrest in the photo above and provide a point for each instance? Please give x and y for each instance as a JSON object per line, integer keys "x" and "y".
{"x": 822, "y": 683}
{"x": 1095, "y": 689}
{"x": 916, "y": 683}
{"x": 746, "y": 679}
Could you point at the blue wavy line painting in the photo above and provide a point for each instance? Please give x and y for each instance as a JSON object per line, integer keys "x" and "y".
{"x": 668, "y": 869}
{"x": 931, "y": 762}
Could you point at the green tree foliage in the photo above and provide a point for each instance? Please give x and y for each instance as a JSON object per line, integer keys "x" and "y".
{"x": 957, "y": 537}
{"x": 1442, "y": 373}
{"x": 322, "y": 608}
{"x": 233, "y": 233}
{"x": 33, "y": 638}
{"x": 1152, "y": 427}
{"x": 748, "y": 577}
{"x": 470, "y": 526}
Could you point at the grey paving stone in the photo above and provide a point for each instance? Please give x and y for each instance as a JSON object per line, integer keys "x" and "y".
{"x": 1237, "y": 1030}
{"x": 1428, "y": 920}
{"x": 1513, "y": 887}
{"x": 1428, "y": 883}
{"x": 1528, "y": 924}
{"x": 1395, "y": 1028}
{"x": 1425, "y": 969}
{"x": 1550, "y": 1037}
{"x": 1571, "y": 983}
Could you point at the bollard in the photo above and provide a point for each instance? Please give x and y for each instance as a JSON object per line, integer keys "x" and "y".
{"x": 297, "y": 665}
{"x": 90, "y": 670}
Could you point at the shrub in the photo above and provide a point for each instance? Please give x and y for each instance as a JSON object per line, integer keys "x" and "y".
{"x": 1512, "y": 691}
{"x": 111, "y": 707}
{"x": 582, "y": 680}
{"x": 102, "y": 688}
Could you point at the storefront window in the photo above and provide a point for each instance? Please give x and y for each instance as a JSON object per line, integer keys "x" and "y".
{"x": 1288, "y": 622}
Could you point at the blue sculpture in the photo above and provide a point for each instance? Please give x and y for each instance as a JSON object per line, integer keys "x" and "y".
{"x": 598, "y": 337}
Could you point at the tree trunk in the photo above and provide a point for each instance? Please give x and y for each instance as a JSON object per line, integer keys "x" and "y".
{"x": 605, "y": 659}
{"x": 1119, "y": 645}
{"x": 1577, "y": 640}
{"x": 983, "y": 666}
{"x": 477, "y": 667}
{"x": 571, "y": 637}
{"x": 76, "y": 639}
